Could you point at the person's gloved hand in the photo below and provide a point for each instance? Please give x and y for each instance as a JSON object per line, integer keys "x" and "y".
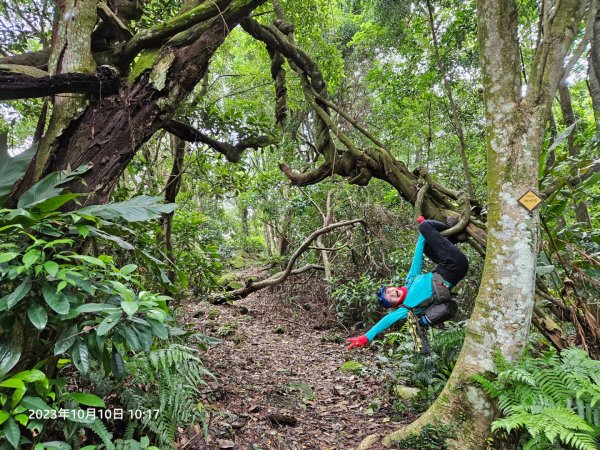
{"x": 359, "y": 341}
{"x": 420, "y": 219}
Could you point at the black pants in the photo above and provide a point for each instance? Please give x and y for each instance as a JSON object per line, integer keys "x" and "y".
{"x": 452, "y": 264}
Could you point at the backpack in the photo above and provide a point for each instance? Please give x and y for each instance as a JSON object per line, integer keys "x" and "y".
{"x": 442, "y": 305}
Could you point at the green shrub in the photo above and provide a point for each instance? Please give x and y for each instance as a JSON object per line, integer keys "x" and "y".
{"x": 430, "y": 372}
{"x": 167, "y": 383}
{"x": 552, "y": 399}
{"x": 356, "y": 300}
{"x": 62, "y": 306}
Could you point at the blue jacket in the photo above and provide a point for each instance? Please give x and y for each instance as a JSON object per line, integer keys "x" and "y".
{"x": 419, "y": 289}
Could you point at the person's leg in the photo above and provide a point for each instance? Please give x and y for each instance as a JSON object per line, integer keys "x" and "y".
{"x": 452, "y": 264}
{"x": 436, "y": 245}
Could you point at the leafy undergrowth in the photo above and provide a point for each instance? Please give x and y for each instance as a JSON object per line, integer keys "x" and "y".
{"x": 280, "y": 378}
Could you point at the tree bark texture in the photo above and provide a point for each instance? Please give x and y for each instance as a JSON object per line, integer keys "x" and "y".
{"x": 13, "y": 86}
{"x": 108, "y": 133}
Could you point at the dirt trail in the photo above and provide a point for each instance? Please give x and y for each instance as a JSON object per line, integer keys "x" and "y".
{"x": 274, "y": 367}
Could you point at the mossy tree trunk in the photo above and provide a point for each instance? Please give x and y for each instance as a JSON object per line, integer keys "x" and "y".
{"x": 105, "y": 133}
{"x": 515, "y": 129}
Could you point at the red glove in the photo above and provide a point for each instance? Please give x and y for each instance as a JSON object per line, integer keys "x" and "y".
{"x": 420, "y": 219}
{"x": 357, "y": 341}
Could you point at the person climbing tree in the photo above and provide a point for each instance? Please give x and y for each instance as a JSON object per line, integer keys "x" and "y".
{"x": 427, "y": 294}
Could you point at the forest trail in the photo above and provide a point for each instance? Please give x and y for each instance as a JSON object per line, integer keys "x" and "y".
{"x": 276, "y": 359}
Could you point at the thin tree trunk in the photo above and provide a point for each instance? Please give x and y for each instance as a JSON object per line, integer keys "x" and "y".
{"x": 171, "y": 191}
{"x": 581, "y": 210}
{"x": 455, "y": 114}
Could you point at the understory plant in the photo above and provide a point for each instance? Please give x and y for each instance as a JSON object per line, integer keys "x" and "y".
{"x": 428, "y": 373}
{"x": 356, "y": 300}
{"x": 551, "y": 399}
{"x": 64, "y": 307}
{"x": 167, "y": 381}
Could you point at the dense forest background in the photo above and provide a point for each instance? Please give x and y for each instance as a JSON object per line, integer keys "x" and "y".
{"x": 183, "y": 196}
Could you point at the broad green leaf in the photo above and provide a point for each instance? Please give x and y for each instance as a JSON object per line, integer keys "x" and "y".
{"x": 10, "y": 353}
{"x": 88, "y": 259}
{"x": 19, "y": 293}
{"x": 158, "y": 329}
{"x": 47, "y": 187}
{"x": 87, "y": 399}
{"x": 561, "y": 137}
{"x": 108, "y": 323}
{"x": 145, "y": 337}
{"x": 594, "y": 180}
{"x": 80, "y": 356}
{"x": 130, "y": 308}
{"x": 30, "y": 376}
{"x": 142, "y": 208}
{"x": 54, "y": 203}
{"x": 130, "y": 338}
{"x": 56, "y": 445}
{"x": 56, "y": 300}
{"x": 117, "y": 364}
{"x": 35, "y": 404}
{"x": 31, "y": 257}
{"x": 56, "y": 242}
{"x": 3, "y": 416}
{"x": 555, "y": 210}
{"x": 106, "y": 361}
{"x": 65, "y": 341}
{"x": 5, "y": 257}
{"x": 12, "y": 433}
{"x": 83, "y": 230}
{"x": 95, "y": 307}
{"x": 37, "y": 315}
{"x": 126, "y": 270}
{"x": 12, "y": 168}
{"x": 13, "y": 383}
{"x": 18, "y": 395}
{"x": 110, "y": 237}
{"x": 51, "y": 267}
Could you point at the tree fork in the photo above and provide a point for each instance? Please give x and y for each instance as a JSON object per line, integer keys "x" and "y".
{"x": 109, "y": 132}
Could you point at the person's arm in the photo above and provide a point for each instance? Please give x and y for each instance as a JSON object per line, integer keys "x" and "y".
{"x": 386, "y": 321}
{"x": 417, "y": 262}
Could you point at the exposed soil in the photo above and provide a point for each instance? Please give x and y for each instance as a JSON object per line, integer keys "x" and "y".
{"x": 279, "y": 380}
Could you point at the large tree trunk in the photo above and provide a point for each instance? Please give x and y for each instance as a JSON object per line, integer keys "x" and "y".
{"x": 109, "y": 132}
{"x": 515, "y": 129}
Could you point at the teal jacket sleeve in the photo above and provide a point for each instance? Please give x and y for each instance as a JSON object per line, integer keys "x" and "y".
{"x": 419, "y": 291}
{"x": 417, "y": 262}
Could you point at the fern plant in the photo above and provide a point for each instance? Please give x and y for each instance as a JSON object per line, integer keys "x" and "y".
{"x": 166, "y": 380}
{"x": 554, "y": 399}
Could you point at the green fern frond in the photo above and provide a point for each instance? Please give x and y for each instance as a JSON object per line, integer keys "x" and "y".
{"x": 100, "y": 430}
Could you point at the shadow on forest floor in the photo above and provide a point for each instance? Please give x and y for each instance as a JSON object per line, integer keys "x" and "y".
{"x": 279, "y": 380}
